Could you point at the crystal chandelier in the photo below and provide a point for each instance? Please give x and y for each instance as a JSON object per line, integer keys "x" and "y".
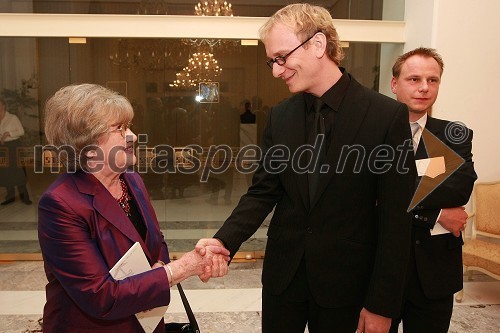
{"x": 183, "y": 80}
{"x": 202, "y": 67}
{"x": 152, "y": 7}
{"x": 149, "y": 54}
{"x": 213, "y": 8}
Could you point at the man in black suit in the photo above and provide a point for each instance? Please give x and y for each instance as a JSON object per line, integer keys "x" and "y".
{"x": 247, "y": 117}
{"x": 339, "y": 240}
{"x": 435, "y": 270}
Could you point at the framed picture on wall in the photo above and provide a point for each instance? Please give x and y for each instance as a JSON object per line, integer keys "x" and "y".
{"x": 4, "y": 157}
{"x": 183, "y": 157}
{"x": 209, "y": 92}
{"x": 118, "y": 86}
{"x": 25, "y": 157}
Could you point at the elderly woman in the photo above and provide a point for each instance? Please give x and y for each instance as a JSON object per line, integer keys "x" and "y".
{"x": 89, "y": 218}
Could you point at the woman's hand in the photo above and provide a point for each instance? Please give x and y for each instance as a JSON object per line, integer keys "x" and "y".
{"x": 212, "y": 264}
{"x": 219, "y": 265}
{"x": 158, "y": 264}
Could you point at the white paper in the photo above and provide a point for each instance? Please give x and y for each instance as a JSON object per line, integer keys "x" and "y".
{"x": 134, "y": 262}
{"x": 438, "y": 230}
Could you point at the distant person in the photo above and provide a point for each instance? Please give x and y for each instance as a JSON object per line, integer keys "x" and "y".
{"x": 339, "y": 239}
{"x": 248, "y": 117}
{"x": 12, "y": 175}
{"x": 435, "y": 268}
{"x": 88, "y": 219}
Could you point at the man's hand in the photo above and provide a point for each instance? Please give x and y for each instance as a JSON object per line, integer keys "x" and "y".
{"x": 204, "y": 242}
{"x": 372, "y": 323}
{"x": 220, "y": 257}
{"x": 453, "y": 220}
{"x": 4, "y": 137}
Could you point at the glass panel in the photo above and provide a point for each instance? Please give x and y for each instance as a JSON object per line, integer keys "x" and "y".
{"x": 340, "y": 9}
{"x": 170, "y": 112}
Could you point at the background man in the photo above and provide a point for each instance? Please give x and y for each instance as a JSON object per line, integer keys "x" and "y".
{"x": 435, "y": 270}
{"x": 12, "y": 175}
{"x": 338, "y": 242}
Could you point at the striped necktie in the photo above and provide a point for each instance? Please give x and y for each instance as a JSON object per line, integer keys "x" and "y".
{"x": 415, "y": 129}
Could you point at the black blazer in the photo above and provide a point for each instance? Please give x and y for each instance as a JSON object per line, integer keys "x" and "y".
{"x": 439, "y": 258}
{"x": 355, "y": 236}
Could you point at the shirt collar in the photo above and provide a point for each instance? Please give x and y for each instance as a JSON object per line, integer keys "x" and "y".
{"x": 421, "y": 121}
{"x": 332, "y": 97}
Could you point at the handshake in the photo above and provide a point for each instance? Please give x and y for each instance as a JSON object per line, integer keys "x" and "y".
{"x": 208, "y": 259}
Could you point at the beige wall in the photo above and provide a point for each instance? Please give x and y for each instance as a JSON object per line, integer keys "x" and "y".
{"x": 465, "y": 34}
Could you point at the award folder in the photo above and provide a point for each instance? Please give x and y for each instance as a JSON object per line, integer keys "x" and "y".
{"x": 134, "y": 262}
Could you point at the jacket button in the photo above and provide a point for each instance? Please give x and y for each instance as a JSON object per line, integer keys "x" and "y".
{"x": 416, "y": 216}
{"x": 425, "y": 219}
{"x": 417, "y": 242}
{"x": 309, "y": 230}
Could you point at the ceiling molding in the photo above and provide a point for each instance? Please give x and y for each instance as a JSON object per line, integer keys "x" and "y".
{"x": 176, "y": 26}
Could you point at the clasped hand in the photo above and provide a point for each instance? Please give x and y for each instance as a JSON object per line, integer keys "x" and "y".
{"x": 211, "y": 261}
{"x": 219, "y": 255}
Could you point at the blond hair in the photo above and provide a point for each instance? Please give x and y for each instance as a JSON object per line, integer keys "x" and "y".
{"x": 306, "y": 20}
{"x": 78, "y": 115}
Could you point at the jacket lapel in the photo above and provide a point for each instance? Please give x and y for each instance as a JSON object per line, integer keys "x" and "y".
{"x": 106, "y": 206}
{"x": 432, "y": 127}
{"x": 346, "y": 124}
{"x": 144, "y": 209}
{"x": 296, "y": 137}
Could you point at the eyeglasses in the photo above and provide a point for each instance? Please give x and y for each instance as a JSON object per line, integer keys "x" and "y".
{"x": 281, "y": 60}
{"x": 122, "y": 129}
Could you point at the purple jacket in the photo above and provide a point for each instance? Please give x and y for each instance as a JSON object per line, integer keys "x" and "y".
{"x": 83, "y": 232}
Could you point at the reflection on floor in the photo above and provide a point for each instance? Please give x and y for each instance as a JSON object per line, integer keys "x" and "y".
{"x": 229, "y": 304}
{"x": 198, "y": 213}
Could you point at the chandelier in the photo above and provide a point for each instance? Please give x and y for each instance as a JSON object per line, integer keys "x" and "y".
{"x": 213, "y": 8}
{"x": 202, "y": 67}
{"x": 161, "y": 54}
{"x": 149, "y": 54}
{"x": 152, "y": 7}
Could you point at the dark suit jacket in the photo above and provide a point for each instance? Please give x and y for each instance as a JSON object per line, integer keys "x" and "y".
{"x": 83, "y": 233}
{"x": 355, "y": 236}
{"x": 439, "y": 258}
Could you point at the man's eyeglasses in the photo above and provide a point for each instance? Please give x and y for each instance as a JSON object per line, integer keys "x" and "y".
{"x": 122, "y": 129}
{"x": 281, "y": 60}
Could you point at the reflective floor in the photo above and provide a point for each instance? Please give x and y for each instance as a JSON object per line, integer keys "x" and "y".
{"x": 229, "y": 304}
{"x": 232, "y": 303}
{"x": 184, "y": 217}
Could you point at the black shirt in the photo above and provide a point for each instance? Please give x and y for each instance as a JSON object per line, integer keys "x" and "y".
{"x": 136, "y": 219}
{"x": 332, "y": 98}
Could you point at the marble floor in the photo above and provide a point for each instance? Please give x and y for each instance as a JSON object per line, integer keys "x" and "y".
{"x": 229, "y": 304}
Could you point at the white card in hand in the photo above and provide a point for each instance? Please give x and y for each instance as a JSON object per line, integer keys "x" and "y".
{"x": 133, "y": 262}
